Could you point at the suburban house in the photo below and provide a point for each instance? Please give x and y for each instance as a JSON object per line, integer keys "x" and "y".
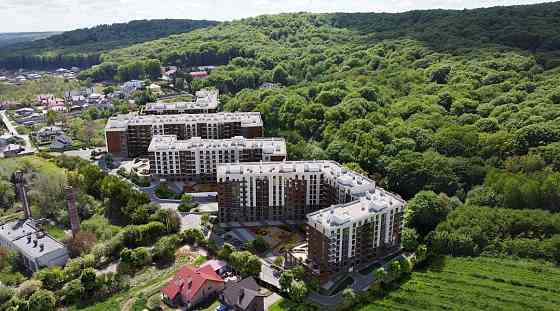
{"x": 219, "y": 266}
{"x": 191, "y": 286}
{"x": 130, "y": 86}
{"x": 245, "y": 295}
{"x": 61, "y": 143}
{"x": 25, "y": 111}
{"x": 48, "y": 133}
{"x": 11, "y": 150}
{"x": 31, "y": 119}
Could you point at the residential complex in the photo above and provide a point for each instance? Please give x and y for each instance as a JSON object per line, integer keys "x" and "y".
{"x": 206, "y": 102}
{"x": 130, "y": 135}
{"x": 350, "y": 221}
{"x": 196, "y": 159}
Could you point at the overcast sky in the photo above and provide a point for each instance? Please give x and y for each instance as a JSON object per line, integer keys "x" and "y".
{"x": 45, "y": 15}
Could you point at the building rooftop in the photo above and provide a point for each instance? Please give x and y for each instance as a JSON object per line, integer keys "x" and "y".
{"x": 121, "y": 122}
{"x": 365, "y": 207}
{"x": 27, "y": 238}
{"x": 330, "y": 169}
{"x": 272, "y": 146}
{"x": 205, "y": 99}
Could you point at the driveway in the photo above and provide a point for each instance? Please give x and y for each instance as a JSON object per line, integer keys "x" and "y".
{"x": 270, "y": 300}
{"x": 13, "y": 131}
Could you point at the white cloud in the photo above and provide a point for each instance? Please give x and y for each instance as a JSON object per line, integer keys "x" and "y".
{"x": 42, "y": 15}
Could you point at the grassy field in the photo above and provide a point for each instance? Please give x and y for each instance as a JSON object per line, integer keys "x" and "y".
{"x": 477, "y": 284}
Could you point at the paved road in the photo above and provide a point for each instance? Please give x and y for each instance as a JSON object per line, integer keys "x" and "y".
{"x": 361, "y": 283}
{"x": 13, "y": 131}
{"x": 270, "y": 300}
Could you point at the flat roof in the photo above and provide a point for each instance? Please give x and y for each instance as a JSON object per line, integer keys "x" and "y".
{"x": 122, "y": 121}
{"x": 330, "y": 169}
{"x": 165, "y": 143}
{"x": 363, "y": 208}
{"x": 205, "y": 99}
{"x": 19, "y": 231}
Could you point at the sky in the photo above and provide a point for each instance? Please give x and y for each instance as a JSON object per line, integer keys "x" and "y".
{"x": 62, "y": 15}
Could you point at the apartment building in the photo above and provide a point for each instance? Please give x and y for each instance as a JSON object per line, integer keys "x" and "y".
{"x": 345, "y": 236}
{"x": 206, "y": 101}
{"x": 196, "y": 159}
{"x": 350, "y": 221}
{"x": 130, "y": 135}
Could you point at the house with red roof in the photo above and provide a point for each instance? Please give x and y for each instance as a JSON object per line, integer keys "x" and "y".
{"x": 192, "y": 285}
{"x": 199, "y": 74}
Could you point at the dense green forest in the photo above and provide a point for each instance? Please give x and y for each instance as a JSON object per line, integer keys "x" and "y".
{"x": 445, "y": 108}
{"x": 11, "y": 38}
{"x": 83, "y": 47}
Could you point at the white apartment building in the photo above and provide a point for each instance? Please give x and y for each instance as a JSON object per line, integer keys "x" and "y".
{"x": 197, "y": 158}
{"x": 206, "y": 101}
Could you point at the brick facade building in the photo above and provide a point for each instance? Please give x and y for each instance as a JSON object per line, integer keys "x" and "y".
{"x": 350, "y": 221}
{"x": 196, "y": 159}
{"x": 206, "y": 102}
{"x": 130, "y": 135}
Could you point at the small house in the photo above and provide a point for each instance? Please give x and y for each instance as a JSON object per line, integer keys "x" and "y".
{"x": 245, "y": 295}
{"x": 192, "y": 286}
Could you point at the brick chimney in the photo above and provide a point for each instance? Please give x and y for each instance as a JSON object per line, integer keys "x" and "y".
{"x": 22, "y": 193}
{"x": 72, "y": 210}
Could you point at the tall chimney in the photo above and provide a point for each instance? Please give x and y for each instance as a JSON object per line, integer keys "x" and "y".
{"x": 72, "y": 210}
{"x": 22, "y": 193}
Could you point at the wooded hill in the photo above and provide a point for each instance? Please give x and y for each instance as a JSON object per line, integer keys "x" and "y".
{"x": 83, "y": 47}
{"x": 442, "y": 107}
{"x": 11, "y": 38}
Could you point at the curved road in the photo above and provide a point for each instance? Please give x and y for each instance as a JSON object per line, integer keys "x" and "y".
{"x": 13, "y": 131}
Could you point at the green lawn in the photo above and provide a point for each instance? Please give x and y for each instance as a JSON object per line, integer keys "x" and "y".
{"x": 199, "y": 261}
{"x": 56, "y": 232}
{"x": 477, "y": 284}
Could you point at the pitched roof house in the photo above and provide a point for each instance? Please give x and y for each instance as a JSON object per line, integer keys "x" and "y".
{"x": 245, "y": 295}
{"x": 191, "y": 286}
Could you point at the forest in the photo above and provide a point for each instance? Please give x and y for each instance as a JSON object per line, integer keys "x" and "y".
{"x": 465, "y": 127}
{"x": 83, "y": 47}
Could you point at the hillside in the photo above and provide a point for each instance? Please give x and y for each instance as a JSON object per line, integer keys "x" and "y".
{"x": 11, "y": 38}
{"x": 83, "y": 47}
{"x": 474, "y": 116}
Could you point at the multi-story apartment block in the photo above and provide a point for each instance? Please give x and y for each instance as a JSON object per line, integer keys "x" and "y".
{"x": 206, "y": 102}
{"x": 350, "y": 221}
{"x": 130, "y": 135}
{"x": 354, "y": 234}
{"x": 196, "y": 159}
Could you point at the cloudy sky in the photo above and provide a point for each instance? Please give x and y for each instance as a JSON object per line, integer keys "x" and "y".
{"x": 44, "y": 15}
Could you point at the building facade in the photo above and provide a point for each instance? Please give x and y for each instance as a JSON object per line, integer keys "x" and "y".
{"x": 345, "y": 236}
{"x": 206, "y": 101}
{"x": 350, "y": 221}
{"x": 130, "y": 135}
{"x": 196, "y": 159}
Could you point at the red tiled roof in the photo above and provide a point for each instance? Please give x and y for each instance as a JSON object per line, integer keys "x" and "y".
{"x": 188, "y": 274}
{"x": 199, "y": 74}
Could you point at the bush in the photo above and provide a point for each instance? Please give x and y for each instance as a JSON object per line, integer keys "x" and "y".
{"x": 163, "y": 192}
{"x": 154, "y": 303}
{"x": 42, "y": 300}
{"x": 27, "y": 288}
